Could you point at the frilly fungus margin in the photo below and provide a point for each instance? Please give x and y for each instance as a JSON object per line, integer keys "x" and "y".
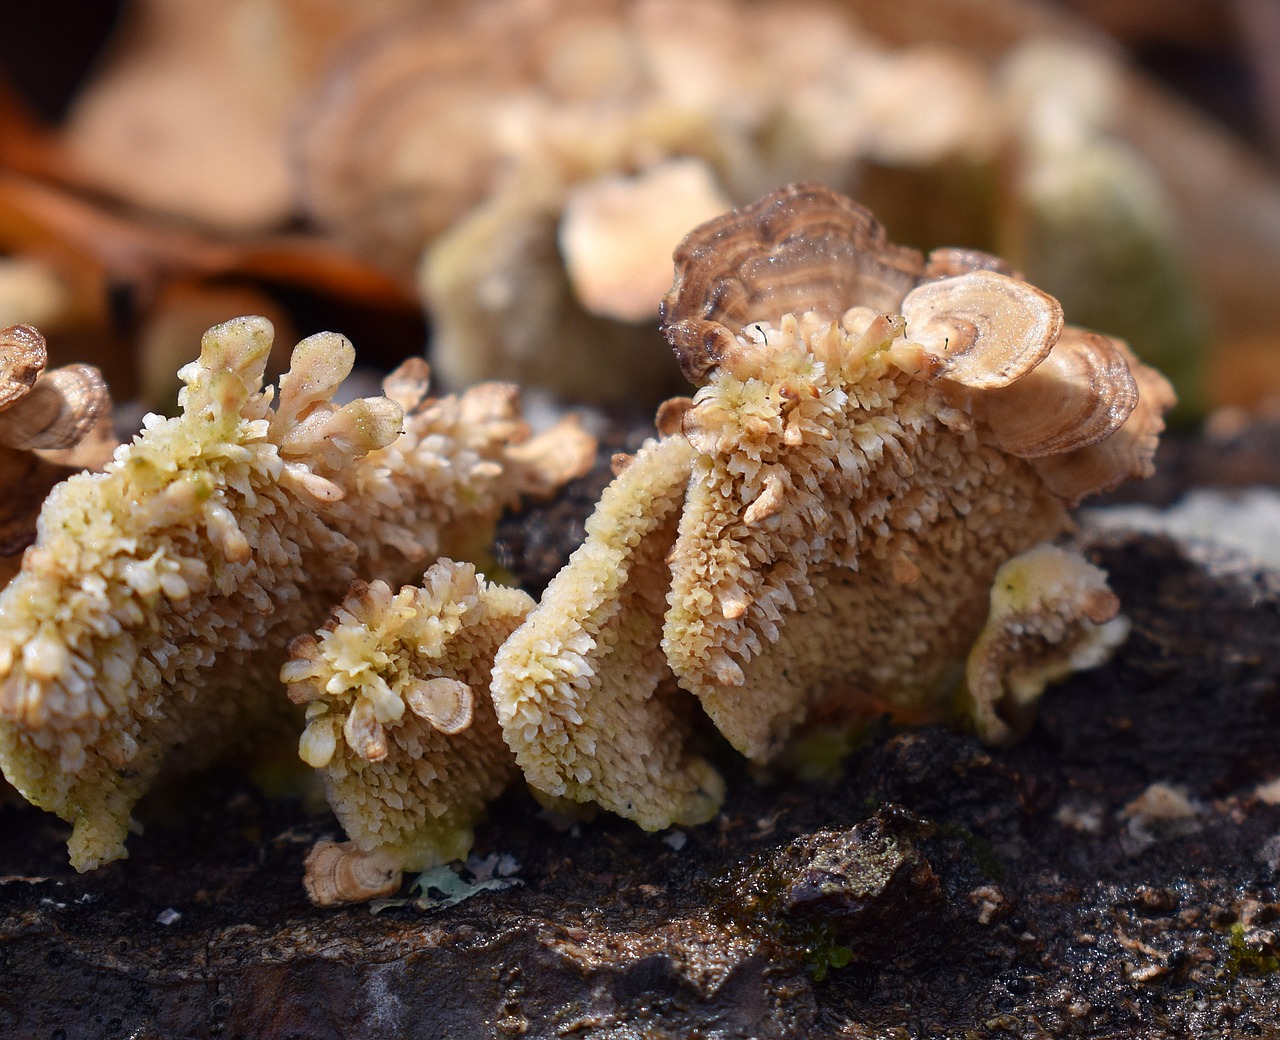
{"x": 146, "y": 630}
{"x": 400, "y": 724}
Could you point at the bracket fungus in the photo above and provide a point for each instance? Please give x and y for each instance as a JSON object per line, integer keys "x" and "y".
{"x": 186, "y": 110}
{"x": 1051, "y": 614}
{"x": 145, "y": 632}
{"x": 537, "y": 162}
{"x": 52, "y": 424}
{"x": 812, "y": 540}
{"x": 400, "y": 723}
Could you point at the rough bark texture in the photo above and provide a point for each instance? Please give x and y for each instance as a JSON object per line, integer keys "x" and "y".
{"x": 933, "y": 888}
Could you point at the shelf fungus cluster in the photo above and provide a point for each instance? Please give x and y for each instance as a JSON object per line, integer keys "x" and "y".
{"x": 881, "y": 446}
{"x": 538, "y": 161}
{"x": 400, "y": 723}
{"x": 147, "y": 627}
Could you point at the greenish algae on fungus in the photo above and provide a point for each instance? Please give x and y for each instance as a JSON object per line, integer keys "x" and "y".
{"x": 145, "y": 632}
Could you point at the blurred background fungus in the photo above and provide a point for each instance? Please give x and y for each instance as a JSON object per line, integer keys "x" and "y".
{"x": 500, "y": 184}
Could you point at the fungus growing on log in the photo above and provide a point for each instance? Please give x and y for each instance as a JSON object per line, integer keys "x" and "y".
{"x": 875, "y": 435}
{"x": 401, "y": 726}
{"x": 145, "y": 632}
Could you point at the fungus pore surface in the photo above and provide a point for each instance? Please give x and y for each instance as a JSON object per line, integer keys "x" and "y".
{"x": 146, "y": 630}
{"x": 813, "y": 542}
{"x": 400, "y": 724}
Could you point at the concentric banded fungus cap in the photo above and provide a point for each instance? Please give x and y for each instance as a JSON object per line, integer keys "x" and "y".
{"x": 986, "y": 329}
{"x": 1080, "y": 394}
{"x": 1129, "y": 452}
{"x": 22, "y": 359}
{"x": 340, "y": 872}
{"x": 800, "y": 248}
{"x": 52, "y": 424}
{"x": 45, "y": 410}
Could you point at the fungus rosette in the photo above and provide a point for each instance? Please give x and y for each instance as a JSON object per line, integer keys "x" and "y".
{"x": 153, "y": 610}
{"x": 876, "y": 433}
{"x": 400, "y": 724}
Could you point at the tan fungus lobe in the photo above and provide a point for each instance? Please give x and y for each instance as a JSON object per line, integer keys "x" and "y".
{"x": 499, "y": 293}
{"x": 448, "y": 704}
{"x": 59, "y": 411}
{"x": 582, "y": 689}
{"x": 616, "y": 234}
{"x": 948, "y": 261}
{"x": 1082, "y": 393}
{"x": 340, "y": 872}
{"x": 21, "y": 363}
{"x": 188, "y": 109}
{"x": 1091, "y": 468}
{"x": 52, "y": 424}
{"x": 987, "y": 329}
{"x": 1051, "y": 614}
{"x": 39, "y": 410}
{"x": 152, "y": 612}
{"x": 399, "y": 722}
{"x": 850, "y": 497}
